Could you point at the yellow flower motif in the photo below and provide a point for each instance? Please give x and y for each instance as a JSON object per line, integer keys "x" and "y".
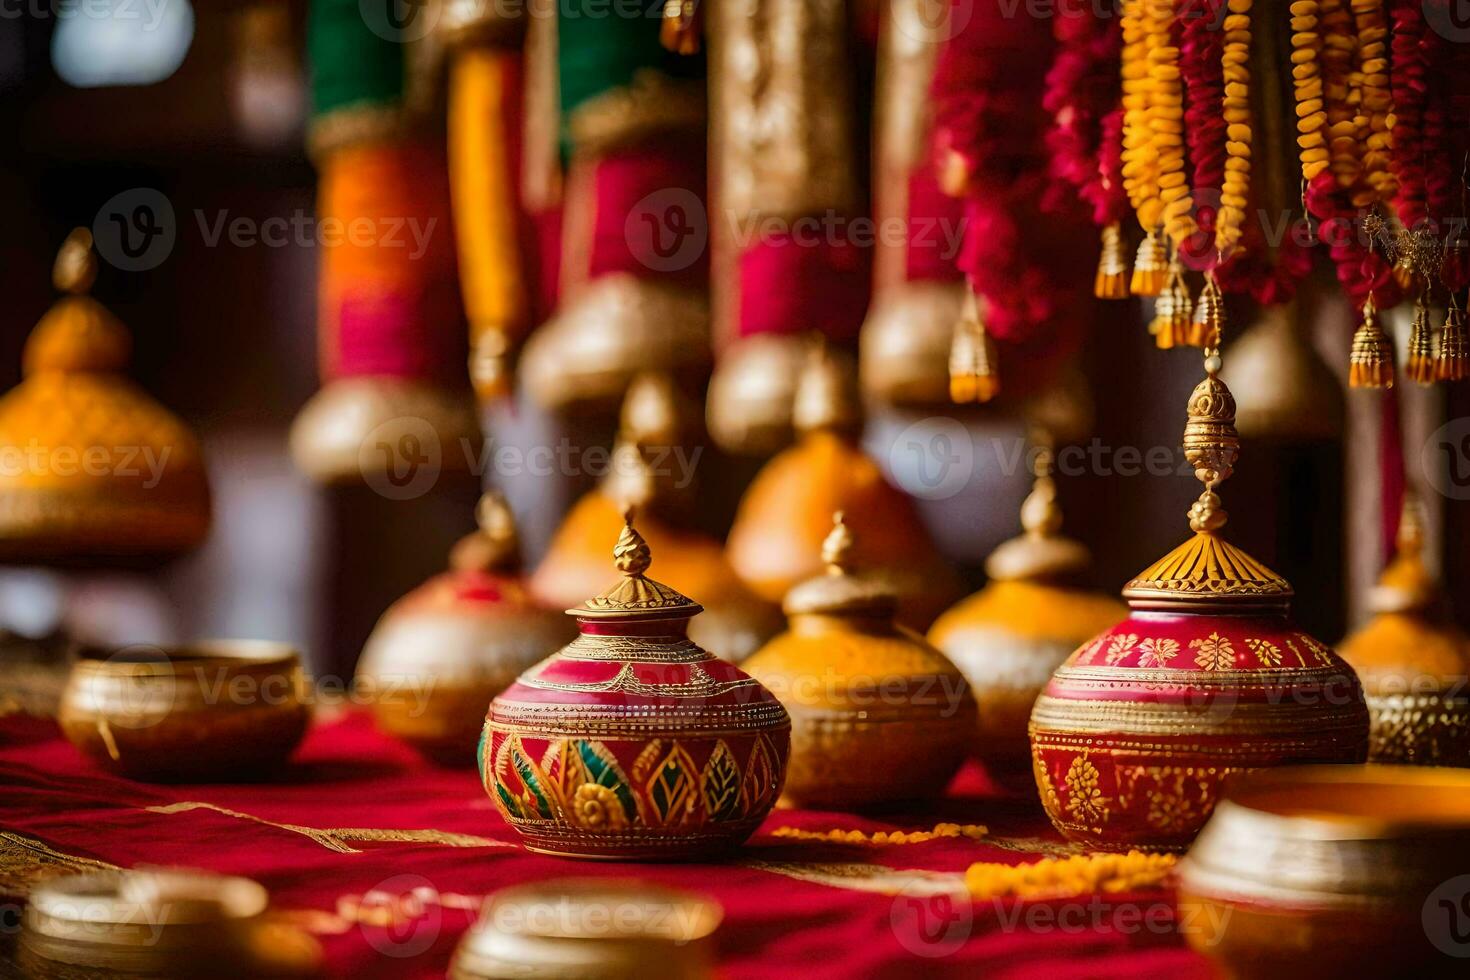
{"x": 1215, "y": 652}
{"x": 597, "y": 808}
{"x": 1083, "y": 874}
{"x": 1169, "y": 812}
{"x": 1268, "y": 653}
{"x": 1084, "y": 798}
{"x": 1119, "y": 647}
{"x": 1157, "y": 652}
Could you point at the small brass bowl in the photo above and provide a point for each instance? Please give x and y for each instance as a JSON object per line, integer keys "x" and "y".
{"x": 158, "y": 924}
{"x": 1331, "y": 871}
{"x": 216, "y": 710}
{"x": 593, "y": 929}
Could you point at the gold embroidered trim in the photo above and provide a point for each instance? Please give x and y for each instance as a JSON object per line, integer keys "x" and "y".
{"x": 336, "y": 838}
{"x": 26, "y": 862}
{"x": 859, "y": 877}
{"x": 699, "y": 685}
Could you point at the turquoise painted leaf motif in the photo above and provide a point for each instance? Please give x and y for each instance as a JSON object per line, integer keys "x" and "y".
{"x": 603, "y": 770}
{"x": 672, "y": 789}
{"x": 722, "y": 784}
{"x": 531, "y": 780}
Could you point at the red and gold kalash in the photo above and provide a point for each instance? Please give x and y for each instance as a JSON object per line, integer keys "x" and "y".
{"x": 440, "y": 653}
{"x": 786, "y": 513}
{"x": 76, "y": 402}
{"x": 878, "y": 716}
{"x": 1010, "y": 636}
{"x": 632, "y": 743}
{"x": 1136, "y": 731}
{"x": 643, "y": 475}
{"x": 1413, "y": 661}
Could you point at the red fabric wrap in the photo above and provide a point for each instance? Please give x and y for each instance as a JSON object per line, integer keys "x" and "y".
{"x": 934, "y": 221}
{"x": 347, "y": 775}
{"x": 644, "y": 211}
{"x": 388, "y": 295}
{"x": 797, "y": 277}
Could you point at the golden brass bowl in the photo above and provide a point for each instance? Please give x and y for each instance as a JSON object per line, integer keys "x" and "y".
{"x": 214, "y": 710}
{"x": 158, "y": 924}
{"x": 592, "y": 929}
{"x": 1331, "y": 871}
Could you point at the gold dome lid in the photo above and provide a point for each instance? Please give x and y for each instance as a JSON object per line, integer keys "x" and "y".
{"x": 1042, "y": 553}
{"x": 1207, "y": 572}
{"x": 636, "y": 596}
{"x": 840, "y": 590}
{"x": 93, "y": 468}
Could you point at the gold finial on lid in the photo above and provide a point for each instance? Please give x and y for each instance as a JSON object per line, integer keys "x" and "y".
{"x": 75, "y": 268}
{"x": 826, "y": 394}
{"x": 1207, "y": 569}
{"x": 635, "y": 595}
{"x": 495, "y": 546}
{"x": 1406, "y": 585}
{"x": 651, "y": 414}
{"x": 837, "y": 546}
{"x": 652, "y": 422}
{"x": 841, "y": 588}
{"x": 1042, "y": 552}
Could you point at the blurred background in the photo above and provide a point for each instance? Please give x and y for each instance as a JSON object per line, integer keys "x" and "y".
{"x": 209, "y": 105}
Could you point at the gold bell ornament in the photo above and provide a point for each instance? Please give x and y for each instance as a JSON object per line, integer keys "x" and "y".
{"x": 440, "y": 654}
{"x": 1009, "y": 637}
{"x": 1413, "y": 661}
{"x": 651, "y": 473}
{"x": 776, "y": 539}
{"x": 877, "y": 714}
{"x": 91, "y": 468}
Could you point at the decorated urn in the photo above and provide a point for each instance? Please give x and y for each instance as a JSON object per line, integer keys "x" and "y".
{"x": 650, "y": 472}
{"x": 1010, "y": 636}
{"x": 878, "y": 716}
{"x": 1136, "y": 731}
{"x": 776, "y": 540}
{"x": 632, "y": 742}
{"x": 1413, "y": 661}
{"x": 97, "y": 471}
{"x": 440, "y": 653}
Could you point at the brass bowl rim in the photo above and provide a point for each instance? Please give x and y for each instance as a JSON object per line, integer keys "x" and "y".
{"x": 1258, "y": 793}
{"x": 242, "y": 653}
{"x": 62, "y": 904}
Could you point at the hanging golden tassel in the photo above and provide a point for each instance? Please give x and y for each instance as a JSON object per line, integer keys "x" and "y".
{"x": 680, "y": 29}
{"x": 1112, "y": 265}
{"x": 1420, "y": 366}
{"x": 1371, "y": 363}
{"x": 1406, "y": 271}
{"x": 973, "y": 376}
{"x": 1453, "y": 361}
{"x": 1173, "y": 310}
{"x": 1208, "y": 323}
{"x": 1150, "y": 266}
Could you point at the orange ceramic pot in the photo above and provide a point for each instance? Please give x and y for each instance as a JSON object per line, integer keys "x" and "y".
{"x": 776, "y": 540}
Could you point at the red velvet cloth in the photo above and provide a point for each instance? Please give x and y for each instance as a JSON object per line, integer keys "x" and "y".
{"x": 346, "y": 775}
{"x": 806, "y": 277}
{"x": 648, "y": 214}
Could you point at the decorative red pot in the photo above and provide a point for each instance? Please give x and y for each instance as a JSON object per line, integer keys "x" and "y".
{"x": 632, "y": 743}
{"x": 1135, "y": 732}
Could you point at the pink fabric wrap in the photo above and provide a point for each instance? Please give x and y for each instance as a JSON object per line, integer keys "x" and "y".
{"x": 935, "y": 222}
{"x": 650, "y": 217}
{"x": 791, "y": 284}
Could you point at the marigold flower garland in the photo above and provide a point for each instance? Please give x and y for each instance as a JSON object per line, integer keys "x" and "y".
{"x": 1068, "y": 877}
